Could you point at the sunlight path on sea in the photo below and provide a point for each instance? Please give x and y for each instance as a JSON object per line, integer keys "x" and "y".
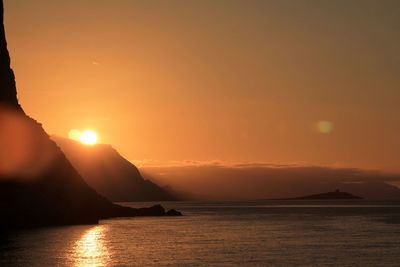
{"x": 91, "y": 249}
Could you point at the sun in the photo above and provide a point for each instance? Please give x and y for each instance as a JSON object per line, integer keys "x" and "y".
{"x": 86, "y": 137}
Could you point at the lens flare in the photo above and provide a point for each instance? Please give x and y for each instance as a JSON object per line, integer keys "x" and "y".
{"x": 74, "y": 134}
{"x": 325, "y": 127}
{"x": 25, "y": 149}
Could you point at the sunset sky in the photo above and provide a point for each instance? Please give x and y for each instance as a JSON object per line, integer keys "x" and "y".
{"x": 310, "y": 82}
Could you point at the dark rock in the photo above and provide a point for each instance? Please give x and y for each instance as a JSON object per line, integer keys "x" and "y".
{"x": 173, "y": 213}
{"x": 8, "y": 91}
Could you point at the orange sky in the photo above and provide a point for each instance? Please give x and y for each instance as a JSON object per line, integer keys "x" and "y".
{"x": 242, "y": 81}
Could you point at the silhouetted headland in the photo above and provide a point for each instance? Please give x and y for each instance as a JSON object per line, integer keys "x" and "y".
{"x": 110, "y": 174}
{"x": 38, "y": 185}
{"x": 329, "y": 195}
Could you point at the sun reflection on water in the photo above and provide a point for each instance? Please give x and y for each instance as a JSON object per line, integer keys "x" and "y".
{"x": 91, "y": 249}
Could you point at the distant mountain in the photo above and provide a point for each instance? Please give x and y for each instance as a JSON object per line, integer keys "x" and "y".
{"x": 111, "y": 175}
{"x": 326, "y": 196}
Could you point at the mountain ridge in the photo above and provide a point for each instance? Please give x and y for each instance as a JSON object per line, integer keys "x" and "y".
{"x": 110, "y": 174}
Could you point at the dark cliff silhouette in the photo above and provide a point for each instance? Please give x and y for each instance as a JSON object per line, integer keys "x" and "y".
{"x": 327, "y": 196}
{"x": 111, "y": 175}
{"x": 38, "y": 185}
{"x": 8, "y": 92}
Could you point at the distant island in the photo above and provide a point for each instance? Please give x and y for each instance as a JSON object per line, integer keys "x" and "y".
{"x": 337, "y": 194}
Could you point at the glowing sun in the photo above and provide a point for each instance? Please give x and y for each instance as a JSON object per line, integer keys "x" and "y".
{"x": 86, "y": 137}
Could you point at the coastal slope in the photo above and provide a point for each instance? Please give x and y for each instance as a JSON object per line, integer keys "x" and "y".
{"x": 110, "y": 174}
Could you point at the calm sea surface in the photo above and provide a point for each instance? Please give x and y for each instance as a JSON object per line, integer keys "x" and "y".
{"x": 267, "y": 233}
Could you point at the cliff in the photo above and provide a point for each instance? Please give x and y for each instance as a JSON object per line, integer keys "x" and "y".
{"x": 8, "y": 91}
{"x": 38, "y": 185}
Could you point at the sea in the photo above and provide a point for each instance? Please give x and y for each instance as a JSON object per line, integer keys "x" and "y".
{"x": 258, "y": 233}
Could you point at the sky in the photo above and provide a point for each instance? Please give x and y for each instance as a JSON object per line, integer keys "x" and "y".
{"x": 279, "y": 82}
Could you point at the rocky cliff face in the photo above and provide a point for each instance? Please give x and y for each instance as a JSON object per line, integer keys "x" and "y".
{"x": 38, "y": 185}
{"x": 8, "y": 91}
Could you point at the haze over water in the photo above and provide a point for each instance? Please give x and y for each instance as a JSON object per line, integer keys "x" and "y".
{"x": 273, "y": 233}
